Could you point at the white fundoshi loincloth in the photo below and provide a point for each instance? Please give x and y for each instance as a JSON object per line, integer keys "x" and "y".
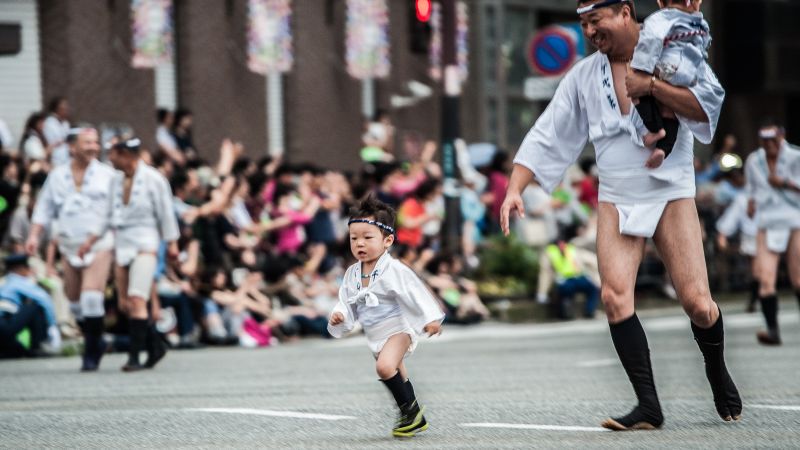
{"x": 378, "y": 334}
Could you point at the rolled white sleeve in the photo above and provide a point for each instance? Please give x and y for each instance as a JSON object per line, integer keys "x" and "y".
{"x": 710, "y": 94}
{"x": 45, "y": 209}
{"x": 419, "y": 305}
{"x": 349, "y": 322}
{"x": 730, "y": 221}
{"x": 557, "y": 138}
{"x": 165, "y": 212}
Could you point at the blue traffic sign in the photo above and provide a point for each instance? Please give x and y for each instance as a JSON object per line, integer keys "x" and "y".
{"x": 552, "y": 51}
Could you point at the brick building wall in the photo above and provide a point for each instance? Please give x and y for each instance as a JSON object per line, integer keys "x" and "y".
{"x": 227, "y": 100}
{"x": 86, "y": 53}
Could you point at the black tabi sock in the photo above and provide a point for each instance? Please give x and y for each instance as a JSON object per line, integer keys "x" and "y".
{"x": 93, "y": 338}
{"x": 712, "y": 344}
{"x": 769, "y": 307}
{"x": 155, "y": 345}
{"x": 631, "y": 345}
{"x": 754, "y": 287}
{"x": 138, "y": 333}
{"x": 397, "y": 387}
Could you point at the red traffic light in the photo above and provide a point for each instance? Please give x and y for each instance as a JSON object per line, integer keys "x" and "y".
{"x": 423, "y": 9}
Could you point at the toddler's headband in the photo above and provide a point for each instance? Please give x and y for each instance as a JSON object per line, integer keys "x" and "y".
{"x": 604, "y": 4}
{"x": 380, "y": 225}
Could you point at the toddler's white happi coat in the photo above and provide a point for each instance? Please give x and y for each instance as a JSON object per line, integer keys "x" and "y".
{"x": 396, "y": 301}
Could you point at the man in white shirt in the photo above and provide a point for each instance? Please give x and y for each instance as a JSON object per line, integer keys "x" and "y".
{"x": 773, "y": 185}
{"x": 166, "y": 141}
{"x": 594, "y": 101}
{"x": 74, "y": 204}
{"x": 142, "y": 217}
{"x": 56, "y": 129}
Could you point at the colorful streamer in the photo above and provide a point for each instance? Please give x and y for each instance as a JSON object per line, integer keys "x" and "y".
{"x": 367, "y": 44}
{"x": 152, "y": 31}
{"x": 269, "y": 36}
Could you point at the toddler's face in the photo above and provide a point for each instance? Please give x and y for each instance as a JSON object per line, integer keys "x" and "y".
{"x": 367, "y": 242}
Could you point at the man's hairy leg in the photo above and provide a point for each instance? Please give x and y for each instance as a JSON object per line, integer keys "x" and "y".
{"x": 679, "y": 241}
{"x": 618, "y": 258}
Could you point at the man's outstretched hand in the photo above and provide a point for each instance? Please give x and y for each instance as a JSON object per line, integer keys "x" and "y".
{"x": 513, "y": 202}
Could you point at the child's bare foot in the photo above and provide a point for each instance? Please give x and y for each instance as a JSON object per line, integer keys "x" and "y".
{"x": 656, "y": 159}
{"x": 650, "y": 139}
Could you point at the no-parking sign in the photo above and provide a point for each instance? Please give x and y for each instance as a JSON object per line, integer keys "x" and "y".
{"x": 553, "y": 50}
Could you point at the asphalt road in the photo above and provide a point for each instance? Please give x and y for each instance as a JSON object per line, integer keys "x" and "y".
{"x": 491, "y": 386}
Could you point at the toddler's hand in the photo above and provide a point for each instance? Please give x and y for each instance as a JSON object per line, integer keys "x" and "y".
{"x": 433, "y": 328}
{"x": 336, "y": 318}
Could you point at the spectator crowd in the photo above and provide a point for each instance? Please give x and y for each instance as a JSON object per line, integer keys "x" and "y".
{"x": 263, "y": 242}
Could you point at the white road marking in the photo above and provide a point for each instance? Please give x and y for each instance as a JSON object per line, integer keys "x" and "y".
{"x": 524, "y": 426}
{"x": 776, "y": 407}
{"x": 266, "y": 412}
{"x": 599, "y": 363}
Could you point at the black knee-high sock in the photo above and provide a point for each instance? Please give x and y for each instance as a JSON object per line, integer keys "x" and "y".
{"x": 712, "y": 344}
{"x": 397, "y": 387}
{"x": 631, "y": 345}
{"x": 754, "y": 287}
{"x": 138, "y": 333}
{"x": 769, "y": 307}
{"x": 410, "y": 390}
{"x": 93, "y": 338}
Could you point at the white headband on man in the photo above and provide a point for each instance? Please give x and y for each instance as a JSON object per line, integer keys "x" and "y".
{"x": 768, "y": 133}
{"x": 604, "y": 4}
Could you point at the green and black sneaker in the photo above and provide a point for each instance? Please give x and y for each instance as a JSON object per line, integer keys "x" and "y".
{"x": 411, "y": 421}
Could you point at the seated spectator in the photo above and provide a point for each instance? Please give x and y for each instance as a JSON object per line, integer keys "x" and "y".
{"x": 182, "y": 133}
{"x": 27, "y": 321}
{"x": 289, "y": 204}
{"x": 568, "y": 268}
{"x": 176, "y": 291}
{"x": 167, "y": 144}
{"x": 229, "y": 309}
{"x": 34, "y": 146}
{"x": 459, "y": 294}
{"x": 412, "y": 215}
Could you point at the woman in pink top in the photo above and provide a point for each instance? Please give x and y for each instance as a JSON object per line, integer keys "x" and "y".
{"x": 289, "y": 204}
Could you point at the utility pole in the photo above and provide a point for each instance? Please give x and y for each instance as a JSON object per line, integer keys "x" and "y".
{"x": 451, "y": 128}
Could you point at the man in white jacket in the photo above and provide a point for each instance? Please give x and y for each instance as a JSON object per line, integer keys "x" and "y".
{"x": 75, "y": 204}
{"x": 594, "y": 101}
{"x": 773, "y": 185}
{"x": 142, "y": 216}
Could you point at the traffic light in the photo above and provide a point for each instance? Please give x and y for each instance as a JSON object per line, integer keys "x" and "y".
{"x": 423, "y": 10}
{"x": 420, "y": 30}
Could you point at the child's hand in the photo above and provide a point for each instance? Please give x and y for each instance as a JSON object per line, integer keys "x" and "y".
{"x": 433, "y": 328}
{"x": 336, "y": 318}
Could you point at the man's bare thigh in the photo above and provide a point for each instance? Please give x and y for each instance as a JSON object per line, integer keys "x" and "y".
{"x": 618, "y": 258}
{"x": 679, "y": 240}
